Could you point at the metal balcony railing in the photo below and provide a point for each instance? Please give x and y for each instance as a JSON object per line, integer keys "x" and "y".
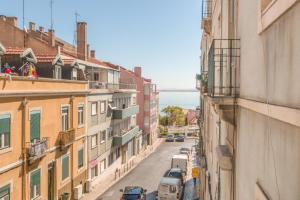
{"x": 38, "y": 148}
{"x": 223, "y": 66}
{"x": 206, "y": 9}
{"x": 104, "y": 85}
{"x": 67, "y": 137}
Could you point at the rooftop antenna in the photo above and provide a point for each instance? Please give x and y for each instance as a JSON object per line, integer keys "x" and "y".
{"x": 75, "y": 32}
{"x": 51, "y": 8}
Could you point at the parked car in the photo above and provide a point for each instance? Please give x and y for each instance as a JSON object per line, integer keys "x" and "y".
{"x": 175, "y": 173}
{"x": 169, "y": 189}
{"x": 170, "y": 138}
{"x": 179, "y": 138}
{"x": 185, "y": 150}
{"x": 180, "y": 161}
{"x": 133, "y": 193}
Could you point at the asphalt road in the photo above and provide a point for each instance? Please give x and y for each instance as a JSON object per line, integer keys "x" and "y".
{"x": 149, "y": 172}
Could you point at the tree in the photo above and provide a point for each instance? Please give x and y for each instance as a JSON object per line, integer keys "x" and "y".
{"x": 175, "y": 115}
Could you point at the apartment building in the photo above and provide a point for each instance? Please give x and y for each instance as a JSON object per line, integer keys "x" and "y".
{"x": 249, "y": 99}
{"x": 147, "y": 99}
{"x": 42, "y": 131}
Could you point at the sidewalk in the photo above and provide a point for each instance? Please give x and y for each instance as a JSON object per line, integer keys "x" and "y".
{"x": 104, "y": 184}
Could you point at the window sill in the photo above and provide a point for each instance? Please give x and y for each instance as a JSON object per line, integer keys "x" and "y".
{"x": 65, "y": 182}
{"x": 103, "y": 141}
{"x": 80, "y": 126}
{"x": 81, "y": 169}
{"x": 5, "y": 150}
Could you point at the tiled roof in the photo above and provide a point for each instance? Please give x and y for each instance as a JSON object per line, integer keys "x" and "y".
{"x": 14, "y": 51}
{"x": 45, "y": 58}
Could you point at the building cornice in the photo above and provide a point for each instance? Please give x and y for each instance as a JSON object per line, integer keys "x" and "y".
{"x": 7, "y": 94}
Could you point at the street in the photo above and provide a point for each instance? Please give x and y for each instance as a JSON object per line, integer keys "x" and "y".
{"x": 149, "y": 172}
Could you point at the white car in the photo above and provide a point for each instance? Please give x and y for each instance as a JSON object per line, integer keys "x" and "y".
{"x": 169, "y": 189}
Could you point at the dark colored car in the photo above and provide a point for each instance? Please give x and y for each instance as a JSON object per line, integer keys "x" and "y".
{"x": 170, "y": 138}
{"x": 179, "y": 138}
{"x": 133, "y": 193}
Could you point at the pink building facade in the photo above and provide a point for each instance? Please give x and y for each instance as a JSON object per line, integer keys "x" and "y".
{"x": 148, "y": 100}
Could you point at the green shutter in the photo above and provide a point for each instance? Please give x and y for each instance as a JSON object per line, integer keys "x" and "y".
{"x": 35, "y": 179}
{"x": 65, "y": 168}
{"x": 80, "y": 158}
{"x": 35, "y": 125}
{"x": 5, "y": 123}
{"x": 4, "y": 191}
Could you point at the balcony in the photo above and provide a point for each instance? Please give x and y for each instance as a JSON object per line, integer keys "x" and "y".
{"x": 223, "y": 66}
{"x": 66, "y": 137}
{"x": 126, "y": 112}
{"x": 206, "y": 15}
{"x": 111, "y": 86}
{"x": 126, "y": 136}
{"x": 38, "y": 149}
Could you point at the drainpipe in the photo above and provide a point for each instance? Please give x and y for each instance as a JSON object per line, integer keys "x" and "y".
{"x": 23, "y": 142}
{"x": 72, "y": 145}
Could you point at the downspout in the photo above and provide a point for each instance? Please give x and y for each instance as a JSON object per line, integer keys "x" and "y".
{"x": 72, "y": 145}
{"x": 23, "y": 142}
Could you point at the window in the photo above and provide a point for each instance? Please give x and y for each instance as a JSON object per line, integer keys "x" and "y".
{"x": 65, "y": 167}
{"x": 80, "y": 115}
{"x": 4, "y": 131}
{"x": 102, "y": 136}
{"x": 94, "y": 141}
{"x": 5, "y": 192}
{"x": 35, "y": 184}
{"x": 133, "y": 100}
{"x": 65, "y": 118}
{"x": 35, "y": 126}
{"x": 110, "y": 132}
{"x": 96, "y": 76}
{"x": 102, "y": 165}
{"x": 74, "y": 74}
{"x": 94, "y": 171}
{"x": 80, "y": 158}
{"x": 110, "y": 159}
{"x": 118, "y": 152}
{"x": 102, "y": 107}
{"x": 94, "y": 108}
{"x": 57, "y": 72}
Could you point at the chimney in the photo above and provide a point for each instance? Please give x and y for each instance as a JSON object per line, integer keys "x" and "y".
{"x": 41, "y": 29}
{"x": 93, "y": 54}
{"x": 3, "y": 17}
{"x": 138, "y": 71}
{"x": 51, "y": 35}
{"x": 13, "y": 21}
{"x": 31, "y": 26}
{"x": 88, "y": 51}
{"x": 82, "y": 40}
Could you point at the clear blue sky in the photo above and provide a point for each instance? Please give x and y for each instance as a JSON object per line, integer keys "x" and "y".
{"x": 162, "y": 36}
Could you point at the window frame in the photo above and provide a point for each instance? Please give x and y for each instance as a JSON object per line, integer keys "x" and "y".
{"x": 96, "y": 141}
{"x": 31, "y": 172}
{"x": 35, "y": 111}
{"x": 80, "y": 120}
{"x": 7, "y": 186}
{"x": 96, "y": 110}
{"x": 83, "y": 158}
{"x": 63, "y": 126}
{"x": 4, "y": 147}
{"x": 102, "y": 110}
{"x": 102, "y": 139}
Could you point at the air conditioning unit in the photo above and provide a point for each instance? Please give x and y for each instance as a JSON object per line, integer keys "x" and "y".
{"x": 88, "y": 185}
{"x": 78, "y": 192}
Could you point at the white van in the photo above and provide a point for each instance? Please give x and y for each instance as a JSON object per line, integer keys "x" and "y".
{"x": 180, "y": 161}
{"x": 169, "y": 189}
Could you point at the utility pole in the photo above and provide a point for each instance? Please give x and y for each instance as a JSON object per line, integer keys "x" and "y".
{"x": 24, "y": 34}
{"x": 51, "y": 14}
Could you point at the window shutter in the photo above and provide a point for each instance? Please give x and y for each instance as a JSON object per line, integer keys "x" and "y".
{"x": 65, "y": 168}
{"x": 4, "y": 191}
{"x": 34, "y": 180}
{"x": 35, "y": 125}
{"x": 5, "y": 124}
{"x": 80, "y": 158}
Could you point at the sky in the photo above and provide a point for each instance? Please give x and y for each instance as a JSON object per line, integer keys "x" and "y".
{"x": 162, "y": 36}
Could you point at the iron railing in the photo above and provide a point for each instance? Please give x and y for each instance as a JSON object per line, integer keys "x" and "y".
{"x": 223, "y": 66}
{"x": 104, "y": 85}
{"x": 38, "y": 148}
{"x": 206, "y": 9}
